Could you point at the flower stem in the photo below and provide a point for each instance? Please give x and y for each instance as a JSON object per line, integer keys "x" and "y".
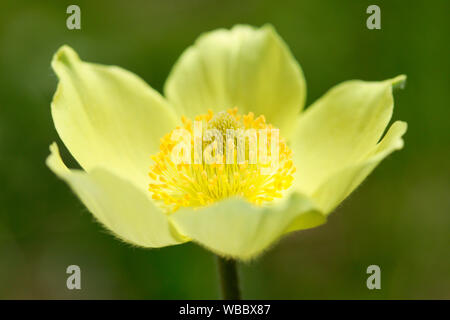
{"x": 229, "y": 279}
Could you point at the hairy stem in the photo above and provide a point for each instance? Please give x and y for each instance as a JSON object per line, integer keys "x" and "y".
{"x": 229, "y": 280}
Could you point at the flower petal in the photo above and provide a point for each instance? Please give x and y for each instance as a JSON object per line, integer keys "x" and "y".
{"x": 339, "y": 129}
{"x": 244, "y": 67}
{"x": 117, "y": 204}
{"x": 108, "y": 117}
{"x": 235, "y": 228}
{"x": 339, "y": 186}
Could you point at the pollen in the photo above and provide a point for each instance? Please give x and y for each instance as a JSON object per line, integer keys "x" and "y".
{"x": 250, "y": 160}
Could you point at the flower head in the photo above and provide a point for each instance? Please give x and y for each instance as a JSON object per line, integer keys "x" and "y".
{"x": 250, "y": 165}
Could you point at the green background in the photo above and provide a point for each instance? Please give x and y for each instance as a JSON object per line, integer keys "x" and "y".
{"x": 398, "y": 219}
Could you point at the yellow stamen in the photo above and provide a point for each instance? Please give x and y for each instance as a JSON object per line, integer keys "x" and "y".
{"x": 195, "y": 185}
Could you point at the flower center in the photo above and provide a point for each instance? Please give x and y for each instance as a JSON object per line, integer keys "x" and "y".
{"x": 219, "y": 156}
{"x": 224, "y": 121}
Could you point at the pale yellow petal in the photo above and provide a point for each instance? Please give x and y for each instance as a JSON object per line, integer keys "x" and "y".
{"x": 235, "y": 228}
{"x": 244, "y": 67}
{"x": 108, "y": 117}
{"x": 121, "y": 207}
{"x": 339, "y": 185}
{"x": 339, "y": 129}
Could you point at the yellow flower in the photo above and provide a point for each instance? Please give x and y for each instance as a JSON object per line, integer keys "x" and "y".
{"x": 112, "y": 122}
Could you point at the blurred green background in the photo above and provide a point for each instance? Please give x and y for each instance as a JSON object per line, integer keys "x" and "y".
{"x": 398, "y": 219}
